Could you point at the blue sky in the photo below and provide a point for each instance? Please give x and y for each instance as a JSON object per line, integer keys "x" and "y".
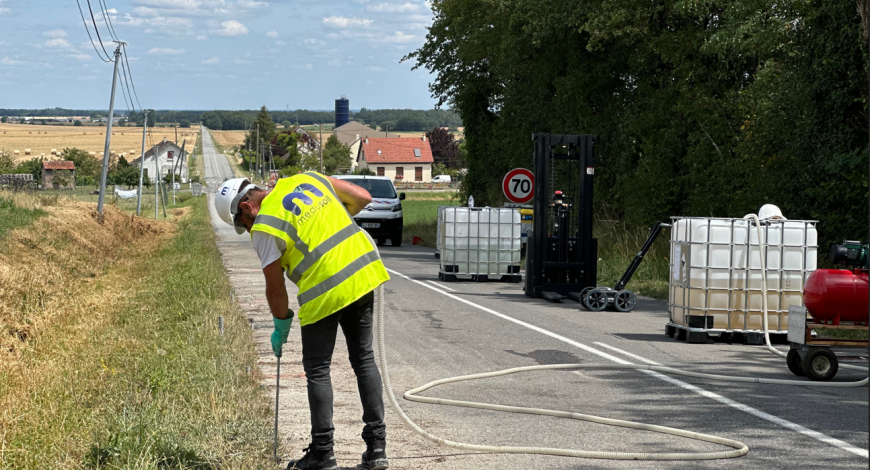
{"x": 218, "y": 54}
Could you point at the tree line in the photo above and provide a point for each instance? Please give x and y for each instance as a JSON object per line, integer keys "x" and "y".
{"x": 699, "y": 108}
{"x": 393, "y": 119}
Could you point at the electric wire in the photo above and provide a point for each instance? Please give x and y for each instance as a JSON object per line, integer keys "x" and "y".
{"x": 108, "y": 20}
{"x": 127, "y": 84}
{"x": 88, "y": 30}
{"x": 130, "y": 71}
{"x": 97, "y": 30}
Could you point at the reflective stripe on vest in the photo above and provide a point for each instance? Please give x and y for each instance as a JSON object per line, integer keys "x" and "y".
{"x": 328, "y": 257}
{"x": 354, "y": 267}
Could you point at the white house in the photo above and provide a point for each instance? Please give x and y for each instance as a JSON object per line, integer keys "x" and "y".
{"x": 168, "y": 155}
{"x": 352, "y": 133}
{"x": 406, "y": 159}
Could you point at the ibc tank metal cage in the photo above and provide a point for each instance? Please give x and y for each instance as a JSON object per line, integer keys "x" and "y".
{"x": 479, "y": 242}
{"x": 562, "y": 255}
{"x": 715, "y": 274}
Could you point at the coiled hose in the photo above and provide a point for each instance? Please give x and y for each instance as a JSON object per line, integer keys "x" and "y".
{"x": 739, "y": 449}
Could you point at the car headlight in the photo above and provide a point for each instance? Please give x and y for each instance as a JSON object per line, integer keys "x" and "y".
{"x": 397, "y": 207}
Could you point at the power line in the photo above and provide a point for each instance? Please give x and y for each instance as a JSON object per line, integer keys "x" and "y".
{"x": 108, "y": 20}
{"x": 130, "y": 71}
{"x": 97, "y": 30}
{"x": 89, "y": 33}
{"x": 124, "y": 93}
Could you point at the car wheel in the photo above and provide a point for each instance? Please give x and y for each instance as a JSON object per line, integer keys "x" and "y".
{"x": 396, "y": 238}
{"x": 382, "y": 241}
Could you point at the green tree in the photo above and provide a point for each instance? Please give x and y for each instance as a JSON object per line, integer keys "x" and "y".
{"x": 336, "y": 156}
{"x": 445, "y": 149}
{"x": 87, "y": 167}
{"x": 263, "y": 128}
{"x": 3, "y": 119}
{"x": 184, "y": 123}
{"x": 77, "y": 123}
{"x": 287, "y": 124}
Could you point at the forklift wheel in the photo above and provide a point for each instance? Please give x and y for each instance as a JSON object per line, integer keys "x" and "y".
{"x": 596, "y": 300}
{"x": 820, "y": 364}
{"x": 583, "y": 296}
{"x": 793, "y": 360}
{"x": 625, "y": 301}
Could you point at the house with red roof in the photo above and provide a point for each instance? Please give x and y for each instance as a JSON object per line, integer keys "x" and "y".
{"x": 58, "y": 174}
{"x": 407, "y": 159}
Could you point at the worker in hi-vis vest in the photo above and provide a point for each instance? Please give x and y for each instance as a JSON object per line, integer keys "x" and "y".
{"x": 303, "y": 228}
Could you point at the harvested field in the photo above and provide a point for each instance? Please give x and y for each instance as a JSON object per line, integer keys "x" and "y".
{"x": 228, "y": 139}
{"x": 42, "y": 139}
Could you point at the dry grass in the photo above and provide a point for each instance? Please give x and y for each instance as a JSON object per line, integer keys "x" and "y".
{"x": 97, "y": 371}
{"x": 228, "y": 139}
{"x": 42, "y": 139}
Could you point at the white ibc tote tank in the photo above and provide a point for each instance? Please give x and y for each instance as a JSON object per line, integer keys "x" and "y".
{"x": 716, "y": 270}
{"x": 479, "y": 241}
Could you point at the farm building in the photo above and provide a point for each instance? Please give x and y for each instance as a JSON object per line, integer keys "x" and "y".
{"x": 407, "y": 159}
{"x": 58, "y": 174}
{"x": 352, "y": 133}
{"x": 168, "y": 155}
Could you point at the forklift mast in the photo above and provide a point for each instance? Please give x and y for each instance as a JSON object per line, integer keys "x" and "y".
{"x": 562, "y": 255}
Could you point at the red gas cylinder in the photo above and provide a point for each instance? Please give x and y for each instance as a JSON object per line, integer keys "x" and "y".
{"x": 835, "y": 295}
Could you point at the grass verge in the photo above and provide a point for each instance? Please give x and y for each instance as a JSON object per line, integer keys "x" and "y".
{"x": 420, "y": 214}
{"x": 116, "y": 360}
{"x": 13, "y": 216}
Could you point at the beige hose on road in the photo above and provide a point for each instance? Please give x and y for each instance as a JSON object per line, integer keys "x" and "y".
{"x": 740, "y": 449}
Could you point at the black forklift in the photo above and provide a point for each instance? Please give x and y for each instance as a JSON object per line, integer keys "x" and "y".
{"x": 562, "y": 255}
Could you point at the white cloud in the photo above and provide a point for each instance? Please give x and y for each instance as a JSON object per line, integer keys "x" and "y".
{"x": 8, "y": 61}
{"x": 311, "y": 41}
{"x": 375, "y": 68}
{"x": 3, "y": 11}
{"x": 342, "y": 22}
{"x": 57, "y": 43}
{"x": 280, "y": 43}
{"x": 165, "y": 51}
{"x": 395, "y": 7}
{"x": 400, "y": 38}
{"x": 272, "y": 34}
{"x": 252, "y": 4}
{"x": 213, "y": 60}
{"x": 57, "y": 33}
{"x": 82, "y": 57}
{"x": 232, "y": 28}
{"x": 145, "y": 11}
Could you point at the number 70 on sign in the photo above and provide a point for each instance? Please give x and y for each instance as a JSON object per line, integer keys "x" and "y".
{"x": 519, "y": 185}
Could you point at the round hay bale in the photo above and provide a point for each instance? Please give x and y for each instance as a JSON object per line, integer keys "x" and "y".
{"x": 26, "y": 151}
{"x": 94, "y": 154}
{"x": 54, "y": 151}
{"x": 15, "y": 152}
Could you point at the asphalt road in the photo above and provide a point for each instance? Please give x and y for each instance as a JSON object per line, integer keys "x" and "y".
{"x": 437, "y": 330}
{"x": 217, "y": 167}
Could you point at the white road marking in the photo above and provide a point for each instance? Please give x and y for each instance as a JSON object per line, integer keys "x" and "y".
{"x": 748, "y": 409}
{"x": 704, "y": 393}
{"x": 441, "y": 286}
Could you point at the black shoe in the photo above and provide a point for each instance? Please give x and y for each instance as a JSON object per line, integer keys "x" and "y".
{"x": 315, "y": 460}
{"x": 375, "y": 456}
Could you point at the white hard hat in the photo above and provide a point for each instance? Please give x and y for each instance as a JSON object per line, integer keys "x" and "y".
{"x": 226, "y": 201}
{"x": 770, "y": 211}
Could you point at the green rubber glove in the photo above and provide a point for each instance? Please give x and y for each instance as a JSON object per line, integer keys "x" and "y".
{"x": 282, "y": 329}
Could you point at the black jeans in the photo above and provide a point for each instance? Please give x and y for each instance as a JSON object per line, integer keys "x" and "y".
{"x": 318, "y": 343}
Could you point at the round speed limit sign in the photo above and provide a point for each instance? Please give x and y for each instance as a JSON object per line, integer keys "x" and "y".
{"x": 519, "y": 185}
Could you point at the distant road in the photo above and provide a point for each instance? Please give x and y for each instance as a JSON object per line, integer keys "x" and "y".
{"x": 217, "y": 167}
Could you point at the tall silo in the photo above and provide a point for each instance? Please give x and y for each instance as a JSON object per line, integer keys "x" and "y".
{"x": 342, "y": 111}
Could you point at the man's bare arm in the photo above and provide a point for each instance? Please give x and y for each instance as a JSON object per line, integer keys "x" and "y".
{"x": 276, "y": 292}
{"x": 352, "y": 196}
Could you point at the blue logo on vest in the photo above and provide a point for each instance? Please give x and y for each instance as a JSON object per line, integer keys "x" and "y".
{"x": 289, "y": 201}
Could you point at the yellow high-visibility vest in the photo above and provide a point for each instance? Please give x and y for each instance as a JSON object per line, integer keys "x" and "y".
{"x": 328, "y": 256}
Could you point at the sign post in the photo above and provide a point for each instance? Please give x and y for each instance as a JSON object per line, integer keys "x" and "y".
{"x": 519, "y": 185}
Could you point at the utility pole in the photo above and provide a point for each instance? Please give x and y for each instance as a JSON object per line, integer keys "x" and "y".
{"x": 109, "y": 133}
{"x": 156, "y": 151}
{"x": 176, "y": 132}
{"x": 141, "y": 167}
{"x": 258, "y": 146}
{"x": 321, "y": 148}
